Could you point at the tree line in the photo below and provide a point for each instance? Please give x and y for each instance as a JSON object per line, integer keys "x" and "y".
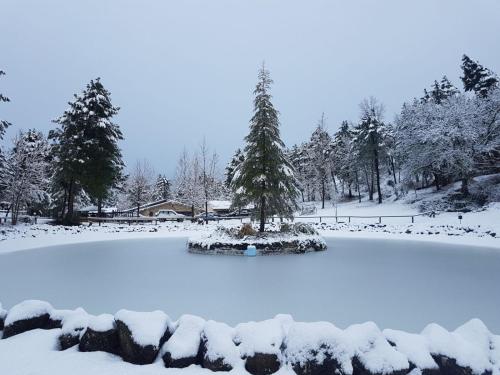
{"x": 447, "y": 135}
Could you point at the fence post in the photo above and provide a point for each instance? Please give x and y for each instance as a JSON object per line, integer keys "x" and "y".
{"x": 412, "y": 219}
{"x": 320, "y": 219}
{"x": 380, "y": 219}
{"x": 349, "y": 219}
{"x": 336, "y": 219}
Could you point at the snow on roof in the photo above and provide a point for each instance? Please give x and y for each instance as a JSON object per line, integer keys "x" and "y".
{"x": 219, "y": 204}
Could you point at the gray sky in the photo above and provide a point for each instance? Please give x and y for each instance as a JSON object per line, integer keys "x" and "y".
{"x": 181, "y": 70}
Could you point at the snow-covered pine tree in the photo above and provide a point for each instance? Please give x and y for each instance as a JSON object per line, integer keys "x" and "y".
{"x": 440, "y": 91}
{"x": 265, "y": 178}
{"x": 103, "y": 169}
{"x": 86, "y": 147}
{"x": 476, "y": 77}
{"x": 369, "y": 136}
{"x": 237, "y": 158}
{"x": 26, "y": 172}
{"x": 320, "y": 158}
{"x": 344, "y": 159}
{"x": 162, "y": 188}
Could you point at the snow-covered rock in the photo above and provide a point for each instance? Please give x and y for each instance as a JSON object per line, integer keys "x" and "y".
{"x": 218, "y": 350}
{"x": 57, "y": 317}
{"x": 74, "y": 325}
{"x": 415, "y": 347}
{"x": 372, "y": 353}
{"x": 25, "y": 316}
{"x": 464, "y": 351}
{"x": 100, "y": 335}
{"x": 317, "y": 348}
{"x": 141, "y": 334}
{"x": 260, "y": 343}
{"x": 183, "y": 348}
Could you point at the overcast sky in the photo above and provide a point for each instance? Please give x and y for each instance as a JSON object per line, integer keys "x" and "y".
{"x": 184, "y": 69}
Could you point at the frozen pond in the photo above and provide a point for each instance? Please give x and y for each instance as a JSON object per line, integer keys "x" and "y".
{"x": 397, "y": 284}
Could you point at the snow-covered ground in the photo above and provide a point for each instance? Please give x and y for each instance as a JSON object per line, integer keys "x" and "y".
{"x": 480, "y": 228}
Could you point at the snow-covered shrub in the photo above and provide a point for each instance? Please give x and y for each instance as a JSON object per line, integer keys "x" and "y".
{"x": 260, "y": 343}
{"x": 303, "y": 228}
{"x": 246, "y": 230}
{"x": 141, "y": 334}
{"x": 218, "y": 350}
{"x": 25, "y": 316}
{"x": 317, "y": 348}
{"x": 183, "y": 348}
{"x": 100, "y": 335}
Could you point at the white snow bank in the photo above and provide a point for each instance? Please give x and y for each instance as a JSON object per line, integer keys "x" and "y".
{"x": 457, "y": 345}
{"x": 27, "y": 309}
{"x": 372, "y": 349}
{"x": 262, "y": 337}
{"x": 304, "y": 340}
{"x": 75, "y": 323}
{"x": 185, "y": 342}
{"x": 147, "y": 328}
{"x": 414, "y": 346}
{"x": 102, "y": 323}
{"x": 219, "y": 343}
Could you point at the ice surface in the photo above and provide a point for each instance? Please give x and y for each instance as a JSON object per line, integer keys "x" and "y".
{"x": 356, "y": 280}
{"x": 147, "y": 328}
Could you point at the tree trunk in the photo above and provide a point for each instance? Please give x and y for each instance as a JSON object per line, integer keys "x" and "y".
{"x": 262, "y": 213}
{"x": 323, "y": 194}
{"x": 71, "y": 194}
{"x": 99, "y": 207}
{"x": 357, "y": 187}
{"x": 464, "y": 189}
{"x": 436, "y": 181}
{"x": 377, "y": 172}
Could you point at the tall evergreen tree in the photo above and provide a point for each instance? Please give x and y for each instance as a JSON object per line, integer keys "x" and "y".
{"x": 265, "y": 178}
{"x": 440, "y": 91}
{"x": 476, "y": 77}
{"x": 320, "y": 158}
{"x": 86, "y": 147}
{"x": 231, "y": 167}
{"x": 369, "y": 136}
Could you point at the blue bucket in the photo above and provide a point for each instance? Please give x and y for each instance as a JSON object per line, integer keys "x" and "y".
{"x": 251, "y": 251}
